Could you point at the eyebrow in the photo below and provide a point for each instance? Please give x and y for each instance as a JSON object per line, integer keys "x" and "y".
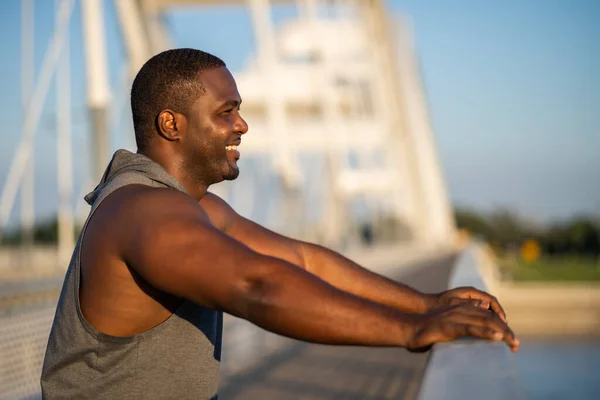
{"x": 231, "y": 103}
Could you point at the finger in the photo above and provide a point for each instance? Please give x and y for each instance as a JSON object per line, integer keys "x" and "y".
{"x": 477, "y": 316}
{"x": 493, "y": 321}
{"x": 471, "y": 307}
{"x": 468, "y": 314}
{"x": 474, "y": 302}
{"x": 511, "y": 338}
{"x": 453, "y": 301}
{"x": 485, "y": 332}
{"x": 478, "y": 331}
{"x": 514, "y": 345}
{"x": 494, "y": 304}
{"x": 497, "y": 308}
{"x": 482, "y": 304}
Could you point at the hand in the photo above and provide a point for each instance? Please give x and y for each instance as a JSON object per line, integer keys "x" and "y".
{"x": 468, "y": 295}
{"x": 453, "y": 321}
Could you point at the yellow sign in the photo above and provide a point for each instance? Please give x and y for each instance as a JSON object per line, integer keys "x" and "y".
{"x": 530, "y": 251}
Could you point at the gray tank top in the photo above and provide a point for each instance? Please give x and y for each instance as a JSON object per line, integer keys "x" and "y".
{"x": 178, "y": 359}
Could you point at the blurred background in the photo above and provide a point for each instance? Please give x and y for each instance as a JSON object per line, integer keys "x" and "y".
{"x": 394, "y": 131}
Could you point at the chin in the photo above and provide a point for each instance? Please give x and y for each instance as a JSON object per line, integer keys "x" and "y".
{"x": 232, "y": 171}
{"x": 232, "y": 174}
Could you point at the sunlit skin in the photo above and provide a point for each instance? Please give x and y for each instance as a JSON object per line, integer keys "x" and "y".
{"x": 192, "y": 148}
{"x": 147, "y": 249}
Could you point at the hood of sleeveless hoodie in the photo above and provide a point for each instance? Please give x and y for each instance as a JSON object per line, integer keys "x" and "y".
{"x": 124, "y": 161}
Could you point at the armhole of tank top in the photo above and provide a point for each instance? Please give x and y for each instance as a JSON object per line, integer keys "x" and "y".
{"x": 110, "y": 188}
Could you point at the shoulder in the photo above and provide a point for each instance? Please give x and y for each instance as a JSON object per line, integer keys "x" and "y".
{"x": 135, "y": 208}
{"x": 221, "y": 214}
{"x": 212, "y": 201}
{"x": 142, "y": 199}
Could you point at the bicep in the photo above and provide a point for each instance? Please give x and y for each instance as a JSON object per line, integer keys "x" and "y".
{"x": 181, "y": 253}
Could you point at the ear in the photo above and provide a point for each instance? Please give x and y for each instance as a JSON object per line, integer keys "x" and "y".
{"x": 170, "y": 125}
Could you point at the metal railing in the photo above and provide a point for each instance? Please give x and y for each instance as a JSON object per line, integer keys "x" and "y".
{"x": 470, "y": 368}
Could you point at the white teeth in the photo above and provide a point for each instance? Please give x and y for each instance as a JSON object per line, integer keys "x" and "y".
{"x": 232, "y": 147}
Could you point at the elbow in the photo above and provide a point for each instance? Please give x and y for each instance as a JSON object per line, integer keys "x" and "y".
{"x": 257, "y": 293}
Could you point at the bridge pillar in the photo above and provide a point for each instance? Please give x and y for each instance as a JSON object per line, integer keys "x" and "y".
{"x": 97, "y": 83}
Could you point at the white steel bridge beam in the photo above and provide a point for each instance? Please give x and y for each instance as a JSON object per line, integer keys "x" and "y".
{"x": 27, "y": 82}
{"x": 34, "y": 111}
{"x": 64, "y": 170}
{"x": 97, "y": 82}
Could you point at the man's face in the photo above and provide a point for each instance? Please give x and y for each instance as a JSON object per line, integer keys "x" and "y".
{"x": 214, "y": 129}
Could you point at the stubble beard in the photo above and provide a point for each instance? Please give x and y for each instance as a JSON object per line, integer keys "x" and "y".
{"x": 232, "y": 173}
{"x": 211, "y": 169}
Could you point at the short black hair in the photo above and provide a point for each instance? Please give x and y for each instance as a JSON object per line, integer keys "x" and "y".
{"x": 167, "y": 80}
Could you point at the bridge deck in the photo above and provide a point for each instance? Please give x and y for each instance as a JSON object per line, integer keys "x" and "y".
{"x": 298, "y": 370}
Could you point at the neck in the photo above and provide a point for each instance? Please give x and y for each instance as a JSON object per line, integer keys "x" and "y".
{"x": 175, "y": 166}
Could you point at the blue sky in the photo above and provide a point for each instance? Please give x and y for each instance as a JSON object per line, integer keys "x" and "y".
{"x": 513, "y": 89}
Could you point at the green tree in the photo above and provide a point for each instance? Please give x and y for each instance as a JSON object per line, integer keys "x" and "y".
{"x": 45, "y": 232}
{"x": 509, "y": 229}
{"x": 473, "y": 222}
{"x": 583, "y": 237}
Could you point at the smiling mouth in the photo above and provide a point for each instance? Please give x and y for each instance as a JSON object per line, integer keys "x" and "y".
{"x": 233, "y": 151}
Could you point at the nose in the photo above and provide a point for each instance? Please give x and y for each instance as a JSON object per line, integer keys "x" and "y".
{"x": 241, "y": 126}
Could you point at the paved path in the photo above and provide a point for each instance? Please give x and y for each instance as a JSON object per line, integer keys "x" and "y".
{"x": 298, "y": 370}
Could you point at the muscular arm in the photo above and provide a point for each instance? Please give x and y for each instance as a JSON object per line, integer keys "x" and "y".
{"x": 326, "y": 264}
{"x": 351, "y": 277}
{"x": 168, "y": 239}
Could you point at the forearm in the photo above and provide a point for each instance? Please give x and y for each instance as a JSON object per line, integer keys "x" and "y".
{"x": 350, "y": 277}
{"x": 289, "y": 301}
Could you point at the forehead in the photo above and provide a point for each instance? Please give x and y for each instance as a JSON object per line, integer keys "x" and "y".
{"x": 219, "y": 84}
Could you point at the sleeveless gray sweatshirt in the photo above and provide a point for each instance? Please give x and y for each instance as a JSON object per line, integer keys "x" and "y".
{"x": 178, "y": 359}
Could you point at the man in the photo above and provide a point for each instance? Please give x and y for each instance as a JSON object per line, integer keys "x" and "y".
{"x": 160, "y": 259}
